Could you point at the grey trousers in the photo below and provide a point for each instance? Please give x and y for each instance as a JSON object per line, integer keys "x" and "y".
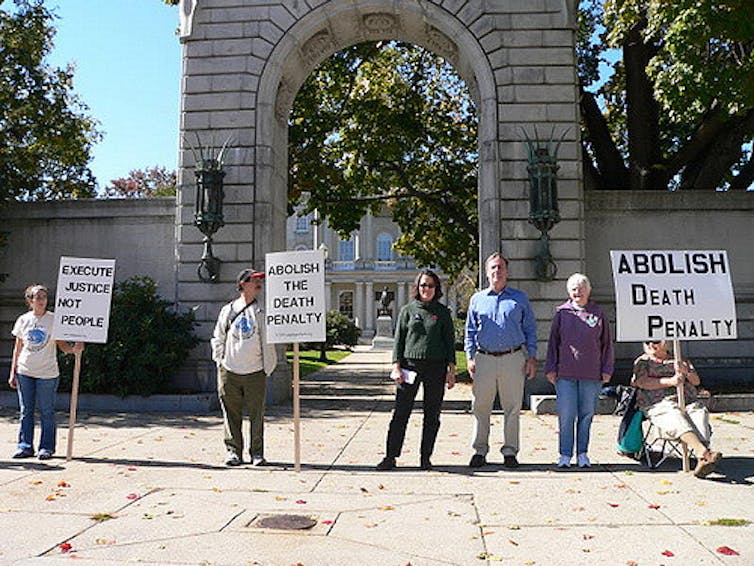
{"x": 503, "y": 375}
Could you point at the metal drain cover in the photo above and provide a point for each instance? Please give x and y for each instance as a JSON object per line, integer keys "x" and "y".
{"x": 285, "y": 522}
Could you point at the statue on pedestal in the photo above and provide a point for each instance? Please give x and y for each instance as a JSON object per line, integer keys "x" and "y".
{"x": 383, "y": 339}
{"x": 385, "y": 301}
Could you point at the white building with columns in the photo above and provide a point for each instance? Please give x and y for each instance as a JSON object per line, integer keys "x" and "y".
{"x": 361, "y": 267}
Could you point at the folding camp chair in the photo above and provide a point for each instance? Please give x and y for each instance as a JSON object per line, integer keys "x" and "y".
{"x": 654, "y": 442}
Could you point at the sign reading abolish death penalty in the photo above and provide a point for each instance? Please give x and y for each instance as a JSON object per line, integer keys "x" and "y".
{"x": 295, "y": 296}
{"x": 673, "y": 295}
{"x": 82, "y": 299}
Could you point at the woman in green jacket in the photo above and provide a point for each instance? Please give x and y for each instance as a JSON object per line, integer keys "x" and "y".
{"x": 424, "y": 352}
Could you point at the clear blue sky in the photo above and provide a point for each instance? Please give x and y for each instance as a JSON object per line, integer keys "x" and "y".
{"x": 128, "y": 71}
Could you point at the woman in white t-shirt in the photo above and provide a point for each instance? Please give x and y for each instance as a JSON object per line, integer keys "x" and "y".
{"x": 34, "y": 372}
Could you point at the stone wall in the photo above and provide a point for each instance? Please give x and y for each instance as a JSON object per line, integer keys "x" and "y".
{"x": 138, "y": 234}
{"x": 679, "y": 221}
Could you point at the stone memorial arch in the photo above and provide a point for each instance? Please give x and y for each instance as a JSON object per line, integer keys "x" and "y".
{"x": 244, "y": 61}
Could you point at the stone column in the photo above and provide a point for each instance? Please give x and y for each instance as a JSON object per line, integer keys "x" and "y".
{"x": 358, "y": 304}
{"x": 400, "y": 297}
{"x": 368, "y": 237}
{"x": 328, "y": 295}
{"x": 369, "y": 306}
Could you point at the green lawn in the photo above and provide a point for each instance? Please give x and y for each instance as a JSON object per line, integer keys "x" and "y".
{"x": 309, "y": 359}
{"x": 462, "y": 374}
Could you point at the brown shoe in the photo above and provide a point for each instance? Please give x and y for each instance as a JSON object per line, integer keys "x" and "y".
{"x": 706, "y": 464}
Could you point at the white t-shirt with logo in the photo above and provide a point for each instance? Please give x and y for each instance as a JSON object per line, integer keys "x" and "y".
{"x": 38, "y": 357}
{"x": 243, "y": 343}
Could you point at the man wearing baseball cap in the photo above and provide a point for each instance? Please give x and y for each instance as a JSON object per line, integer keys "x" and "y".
{"x": 244, "y": 360}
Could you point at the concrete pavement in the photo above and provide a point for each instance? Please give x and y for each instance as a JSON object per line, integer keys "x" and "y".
{"x": 152, "y": 489}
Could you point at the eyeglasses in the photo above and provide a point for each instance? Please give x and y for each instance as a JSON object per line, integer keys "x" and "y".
{"x": 427, "y": 285}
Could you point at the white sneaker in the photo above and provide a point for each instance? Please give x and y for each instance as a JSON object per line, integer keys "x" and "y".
{"x": 583, "y": 460}
{"x": 564, "y": 462}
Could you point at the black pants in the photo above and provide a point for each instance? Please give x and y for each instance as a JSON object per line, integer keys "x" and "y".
{"x": 432, "y": 375}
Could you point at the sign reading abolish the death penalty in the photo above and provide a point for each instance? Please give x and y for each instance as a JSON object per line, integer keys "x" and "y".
{"x": 673, "y": 295}
{"x": 295, "y": 296}
{"x": 82, "y": 299}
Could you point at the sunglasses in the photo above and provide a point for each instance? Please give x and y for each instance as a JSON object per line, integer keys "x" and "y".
{"x": 653, "y": 342}
{"x": 427, "y": 285}
{"x": 250, "y": 278}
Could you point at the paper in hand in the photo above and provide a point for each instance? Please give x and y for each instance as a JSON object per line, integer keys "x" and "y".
{"x": 409, "y": 376}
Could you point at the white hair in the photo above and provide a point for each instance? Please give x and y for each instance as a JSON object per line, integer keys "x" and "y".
{"x": 579, "y": 280}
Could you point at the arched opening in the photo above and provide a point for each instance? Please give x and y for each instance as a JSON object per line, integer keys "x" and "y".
{"x": 338, "y": 25}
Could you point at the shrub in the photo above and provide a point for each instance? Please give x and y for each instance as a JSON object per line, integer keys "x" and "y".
{"x": 341, "y": 330}
{"x": 147, "y": 343}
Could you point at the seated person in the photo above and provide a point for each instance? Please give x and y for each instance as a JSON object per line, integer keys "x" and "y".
{"x": 656, "y": 378}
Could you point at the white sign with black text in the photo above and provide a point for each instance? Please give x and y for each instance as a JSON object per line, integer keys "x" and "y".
{"x": 295, "y": 296}
{"x": 673, "y": 295}
{"x": 82, "y": 299}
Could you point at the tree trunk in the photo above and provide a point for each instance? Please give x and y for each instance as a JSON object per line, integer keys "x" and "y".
{"x": 609, "y": 171}
{"x": 642, "y": 121}
{"x": 710, "y": 170}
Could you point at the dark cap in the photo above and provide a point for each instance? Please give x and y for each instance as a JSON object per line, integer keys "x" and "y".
{"x": 249, "y": 274}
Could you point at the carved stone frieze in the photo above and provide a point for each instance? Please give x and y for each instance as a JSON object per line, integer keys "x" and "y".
{"x": 317, "y": 47}
{"x": 440, "y": 43}
{"x": 284, "y": 101}
{"x": 379, "y": 23}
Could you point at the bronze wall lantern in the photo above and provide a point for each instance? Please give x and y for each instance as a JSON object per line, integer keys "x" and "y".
{"x": 208, "y": 211}
{"x": 543, "y": 199}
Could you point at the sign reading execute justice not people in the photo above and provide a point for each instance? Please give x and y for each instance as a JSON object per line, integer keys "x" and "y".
{"x": 673, "y": 295}
{"x": 295, "y": 297}
{"x": 82, "y": 299}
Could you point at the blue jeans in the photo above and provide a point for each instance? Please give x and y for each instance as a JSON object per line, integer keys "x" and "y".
{"x": 576, "y": 400}
{"x": 37, "y": 392}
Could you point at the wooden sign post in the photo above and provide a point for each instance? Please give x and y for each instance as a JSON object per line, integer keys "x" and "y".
{"x": 295, "y": 313}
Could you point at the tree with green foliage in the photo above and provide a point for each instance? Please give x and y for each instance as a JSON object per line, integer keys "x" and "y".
{"x": 676, "y": 110}
{"x": 389, "y": 124}
{"x": 46, "y": 136}
{"x": 144, "y": 183}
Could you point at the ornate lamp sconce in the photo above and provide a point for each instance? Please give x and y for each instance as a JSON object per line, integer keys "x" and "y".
{"x": 543, "y": 199}
{"x": 208, "y": 211}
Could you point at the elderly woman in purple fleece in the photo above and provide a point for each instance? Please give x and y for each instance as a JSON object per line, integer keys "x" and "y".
{"x": 579, "y": 360}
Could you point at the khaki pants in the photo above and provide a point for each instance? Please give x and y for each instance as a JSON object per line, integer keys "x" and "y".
{"x": 236, "y": 392}
{"x": 503, "y": 375}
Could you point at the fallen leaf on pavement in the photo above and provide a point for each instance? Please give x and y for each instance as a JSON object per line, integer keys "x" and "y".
{"x": 614, "y": 504}
{"x": 653, "y": 506}
{"x": 301, "y": 501}
{"x": 386, "y": 508}
{"x": 65, "y": 547}
{"x": 63, "y": 483}
{"x": 132, "y": 496}
{"x": 727, "y": 551}
{"x": 667, "y": 553}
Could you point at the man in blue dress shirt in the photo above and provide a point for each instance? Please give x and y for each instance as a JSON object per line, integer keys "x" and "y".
{"x": 501, "y": 348}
